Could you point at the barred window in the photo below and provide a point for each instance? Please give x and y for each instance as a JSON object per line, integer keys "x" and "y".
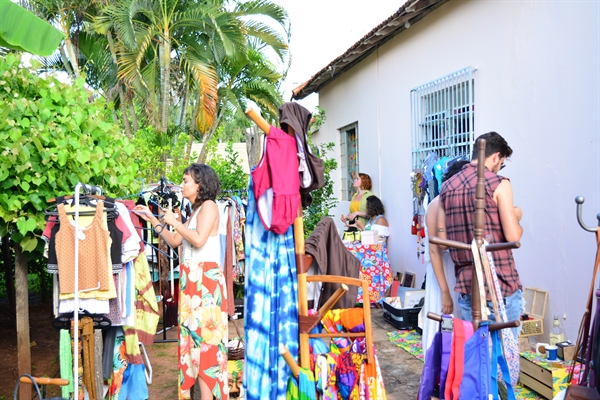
{"x": 349, "y": 158}
{"x": 442, "y": 113}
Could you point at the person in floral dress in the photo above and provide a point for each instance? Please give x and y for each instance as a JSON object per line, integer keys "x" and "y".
{"x": 203, "y": 325}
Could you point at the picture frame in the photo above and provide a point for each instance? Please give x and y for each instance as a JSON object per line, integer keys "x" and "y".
{"x": 409, "y": 279}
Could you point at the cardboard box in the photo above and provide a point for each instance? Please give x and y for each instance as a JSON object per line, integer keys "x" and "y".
{"x": 566, "y": 351}
{"x": 410, "y": 297}
{"x": 369, "y": 237}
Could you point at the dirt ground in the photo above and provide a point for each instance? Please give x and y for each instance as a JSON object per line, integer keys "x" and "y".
{"x": 401, "y": 371}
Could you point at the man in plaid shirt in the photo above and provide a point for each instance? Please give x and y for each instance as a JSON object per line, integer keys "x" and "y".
{"x": 456, "y": 217}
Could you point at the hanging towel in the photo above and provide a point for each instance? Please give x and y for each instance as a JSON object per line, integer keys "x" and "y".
{"x": 66, "y": 362}
{"x": 304, "y": 389}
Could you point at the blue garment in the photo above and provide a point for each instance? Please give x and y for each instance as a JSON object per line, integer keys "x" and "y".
{"x": 271, "y": 307}
{"x": 476, "y": 382}
{"x": 515, "y": 305}
{"x": 134, "y": 386}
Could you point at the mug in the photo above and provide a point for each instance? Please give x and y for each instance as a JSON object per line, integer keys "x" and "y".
{"x": 551, "y": 351}
{"x": 540, "y": 349}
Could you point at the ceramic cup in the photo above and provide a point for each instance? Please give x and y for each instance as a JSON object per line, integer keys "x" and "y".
{"x": 551, "y": 352}
{"x": 540, "y": 349}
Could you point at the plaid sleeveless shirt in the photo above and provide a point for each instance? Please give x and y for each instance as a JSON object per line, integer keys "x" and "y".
{"x": 458, "y": 199}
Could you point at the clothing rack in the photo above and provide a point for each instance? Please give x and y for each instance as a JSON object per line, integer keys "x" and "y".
{"x": 76, "y": 292}
{"x": 303, "y": 261}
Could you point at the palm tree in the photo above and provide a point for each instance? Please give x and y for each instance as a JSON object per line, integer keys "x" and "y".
{"x": 253, "y": 78}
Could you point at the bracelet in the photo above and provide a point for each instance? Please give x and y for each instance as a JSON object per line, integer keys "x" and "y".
{"x": 175, "y": 226}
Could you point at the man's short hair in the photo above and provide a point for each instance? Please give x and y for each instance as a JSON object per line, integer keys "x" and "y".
{"x": 494, "y": 143}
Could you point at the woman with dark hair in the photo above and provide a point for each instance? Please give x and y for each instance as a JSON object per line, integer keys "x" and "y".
{"x": 440, "y": 280}
{"x": 203, "y": 320}
{"x": 377, "y": 222}
{"x": 358, "y": 205}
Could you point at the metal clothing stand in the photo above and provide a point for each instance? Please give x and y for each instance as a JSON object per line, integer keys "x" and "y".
{"x": 303, "y": 261}
{"x": 478, "y": 232}
{"x": 588, "y": 338}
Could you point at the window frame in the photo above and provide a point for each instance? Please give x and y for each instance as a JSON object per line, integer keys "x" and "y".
{"x": 348, "y": 164}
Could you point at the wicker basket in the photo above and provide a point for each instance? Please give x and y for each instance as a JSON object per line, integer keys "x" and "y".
{"x": 236, "y": 353}
{"x": 535, "y": 306}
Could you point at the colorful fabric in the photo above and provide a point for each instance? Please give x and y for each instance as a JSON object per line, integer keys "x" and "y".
{"x": 409, "y": 341}
{"x": 462, "y": 332}
{"x": 353, "y": 320}
{"x": 498, "y": 359}
{"x": 332, "y": 323}
{"x": 509, "y": 340}
{"x": 271, "y": 307}
{"x": 458, "y": 199}
{"x": 119, "y": 365}
{"x": 304, "y": 389}
{"x": 347, "y": 376}
{"x": 202, "y": 351}
{"x": 235, "y": 373}
{"x": 475, "y": 381}
{"x": 146, "y": 307}
{"x": 374, "y": 268}
{"x": 371, "y": 381}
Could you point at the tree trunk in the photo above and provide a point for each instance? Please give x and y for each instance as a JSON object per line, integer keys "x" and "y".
{"x": 65, "y": 60}
{"x": 165, "y": 75}
{"x": 134, "y": 120}
{"x": 123, "y": 106}
{"x": 23, "y": 343}
{"x": 253, "y": 145}
{"x": 207, "y": 137}
{"x": 8, "y": 273}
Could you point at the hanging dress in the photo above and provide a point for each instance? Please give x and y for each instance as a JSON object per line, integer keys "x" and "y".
{"x": 203, "y": 321}
{"x": 271, "y": 307}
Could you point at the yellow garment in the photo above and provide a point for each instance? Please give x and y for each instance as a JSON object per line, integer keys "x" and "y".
{"x": 354, "y": 206}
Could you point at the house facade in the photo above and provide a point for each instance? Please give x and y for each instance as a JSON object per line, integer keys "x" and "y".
{"x": 436, "y": 75}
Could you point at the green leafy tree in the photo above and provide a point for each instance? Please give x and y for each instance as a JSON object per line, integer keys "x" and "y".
{"x": 229, "y": 170}
{"x": 52, "y": 137}
{"x": 323, "y": 198}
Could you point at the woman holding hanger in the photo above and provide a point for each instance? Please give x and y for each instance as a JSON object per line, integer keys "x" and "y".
{"x": 203, "y": 323}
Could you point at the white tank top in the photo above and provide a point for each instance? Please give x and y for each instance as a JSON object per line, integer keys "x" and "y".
{"x": 211, "y": 251}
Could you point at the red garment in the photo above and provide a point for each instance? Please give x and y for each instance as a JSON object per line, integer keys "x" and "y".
{"x": 277, "y": 182}
{"x": 463, "y": 330}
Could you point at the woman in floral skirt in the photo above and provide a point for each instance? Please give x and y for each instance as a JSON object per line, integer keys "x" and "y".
{"x": 203, "y": 298}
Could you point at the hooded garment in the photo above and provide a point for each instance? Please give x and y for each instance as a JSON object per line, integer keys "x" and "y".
{"x": 312, "y": 169}
{"x": 332, "y": 257}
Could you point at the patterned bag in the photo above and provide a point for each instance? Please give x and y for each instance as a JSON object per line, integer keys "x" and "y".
{"x": 509, "y": 341}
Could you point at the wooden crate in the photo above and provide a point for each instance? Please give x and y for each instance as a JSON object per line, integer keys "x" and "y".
{"x": 542, "y": 376}
{"x": 535, "y": 306}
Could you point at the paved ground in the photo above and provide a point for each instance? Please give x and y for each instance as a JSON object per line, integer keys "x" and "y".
{"x": 401, "y": 371}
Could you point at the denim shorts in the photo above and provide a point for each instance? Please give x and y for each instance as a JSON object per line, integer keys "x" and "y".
{"x": 514, "y": 304}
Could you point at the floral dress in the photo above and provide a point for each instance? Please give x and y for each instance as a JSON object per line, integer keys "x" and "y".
{"x": 203, "y": 325}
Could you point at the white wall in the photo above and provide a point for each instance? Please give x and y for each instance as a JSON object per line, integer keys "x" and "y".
{"x": 536, "y": 83}
{"x": 240, "y": 148}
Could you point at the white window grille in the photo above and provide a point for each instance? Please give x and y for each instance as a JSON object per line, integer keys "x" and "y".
{"x": 442, "y": 117}
{"x": 349, "y": 158}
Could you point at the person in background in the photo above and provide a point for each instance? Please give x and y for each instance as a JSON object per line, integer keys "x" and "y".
{"x": 440, "y": 278}
{"x": 203, "y": 322}
{"x": 456, "y": 217}
{"x": 358, "y": 205}
{"x": 376, "y": 220}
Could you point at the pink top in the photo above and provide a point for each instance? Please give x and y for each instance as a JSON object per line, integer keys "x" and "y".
{"x": 277, "y": 182}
